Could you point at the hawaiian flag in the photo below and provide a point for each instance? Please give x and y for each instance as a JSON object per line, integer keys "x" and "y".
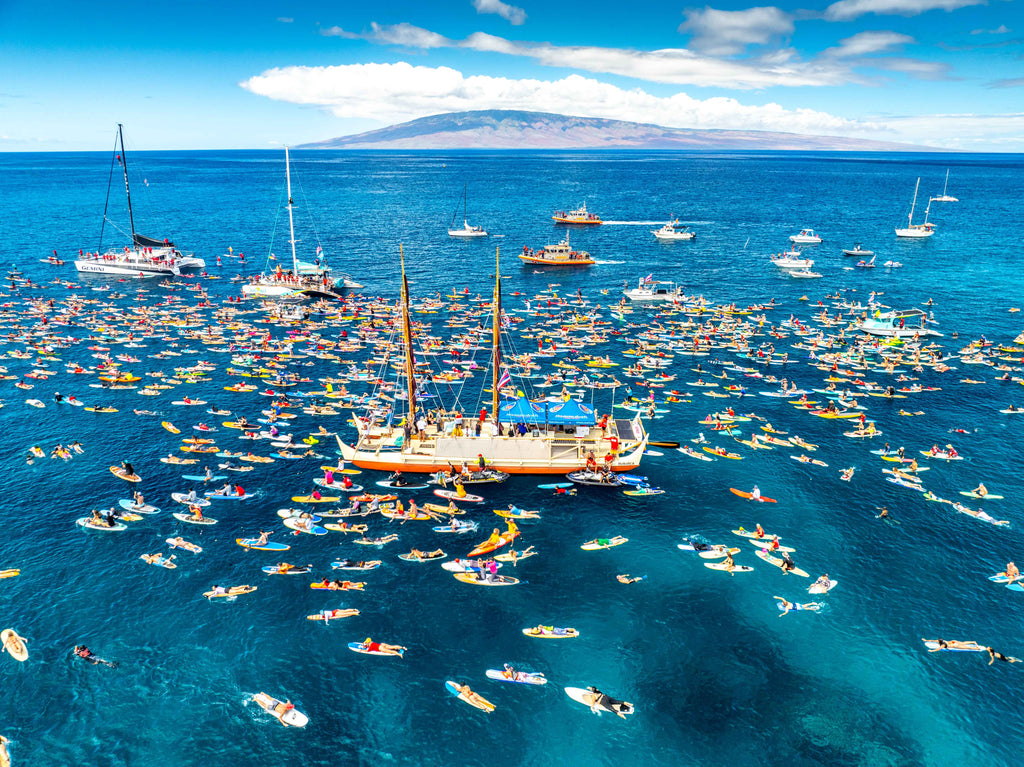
{"x": 649, "y": 278}
{"x": 505, "y": 379}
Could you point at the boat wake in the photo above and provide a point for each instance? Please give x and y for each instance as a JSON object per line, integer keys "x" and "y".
{"x": 600, "y": 261}
{"x": 633, "y": 223}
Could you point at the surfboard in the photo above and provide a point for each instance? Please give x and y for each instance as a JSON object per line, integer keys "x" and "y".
{"x": 120, "y": 473}
{"x": 86, "y": 522}
{"x": 358, "y": 647}
{"x": 234, "y": 591}
{"x": 988, "y": 497}
{"x": 182, "y": 517}
{"x": 551, "y": 632}
{"x": 520, "y": 677}
{"x": 778, "y": 563}
{"x": 933, "y": 644}
{"x": 292, "y": 717}
{"x": 486, "y": 580}
{"x": 204, "y": 478}
{"x": 129, "y": 505}
{"x": 251, "y": 543}
{"x": 604, "y": 543}
{"x": 723, "y": 566}
{"x": 814, "y": 588}
{"x": 585, "y": 697}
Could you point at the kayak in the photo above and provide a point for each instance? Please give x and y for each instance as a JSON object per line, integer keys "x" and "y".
{"x": 87, "y": 523}
{"x": 749, "y": 496}
{"x": 182, "y": 517}
{"x": 519, "y": 677}
{"x": 468, "y": 696}
{"x": 234, "y": 591}
{"x": 129, "y": 505}
{"x": 120, "y": 473}
{"x": 14, "y": 644}
{"x": 778, "y": 563}
{"x": 604, "y": 543}
{"x": 252, "y": 543}
{"x": 551, "y": 632}
{"x": 587, "y": 698}
{"x": 285, "y": 713}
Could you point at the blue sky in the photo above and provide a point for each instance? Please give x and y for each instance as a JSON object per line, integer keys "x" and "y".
{"x": 257, "y": 74}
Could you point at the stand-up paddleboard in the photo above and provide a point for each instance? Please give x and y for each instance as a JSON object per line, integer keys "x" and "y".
{"x": 311, "y": 499}
{"x": 181, "y": 543}
{"x": 234, "y": 591}
{"x": 410, "y": 557}
{"x": 253, "y": 543}
{"x": 725, "y": 567}
{"x": 392, "y": 485}
{"x": 170, "y": 427}
{"x": 608, "y": 704}
{"x": 750, "y": 497}
{"x": 487, "y": 547}
{"x": 204, "y": 478}
{"x": 293, "y": 570}
{"x": 371, "y": 565}
{"x": 766, "y": 544}
{"x": 463, "y": 693}
{"x": 551, "y": 632}
{"x": 463, "y": 566}
{"x": 555, "y": 485}
{"x": 604, "y": 543}
{"x": 485, "y": 579}
{"x": 182, "y": 517}
{"x": 332, "y": 615}
{"x": 518, "y": 677}
{"x": 188, "y": 500}
{"x": 453, "y": 495}
{"x": 816, "y": 588}
{"x": 129, "y": 505}
{"x": 986, "y": 497}
{"x": 514, "y": 557}
{"x": 361, "y": 648}
{"x": 304, "y": 526}
{"x": 933, "y": 644}
{"x": 14, "y": 644}
{"x": 763, "y": 554}
{"x": 285, "y": 713}
{"x": 12, "y": 573}
{"x": 88, "y": 524}
{"x": 120, "y": 473}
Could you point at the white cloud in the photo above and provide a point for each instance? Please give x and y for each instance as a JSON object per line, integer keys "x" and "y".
{"x": 397, "y": 92}
{"x": 846, "y": 10}
{"x": 725, "y": 33}
{"x": 285, "y": 19}
{"x": 1002, "y": 29}
{"x": 864, "y": 43}
{"x": 973, "y": 132}
{"x": 511, "y": 13}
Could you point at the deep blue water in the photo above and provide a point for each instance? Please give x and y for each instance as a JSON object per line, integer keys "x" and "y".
{"x": 716, "y": 676}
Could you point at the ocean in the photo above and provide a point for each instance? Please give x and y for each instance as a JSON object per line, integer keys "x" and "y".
{"x": 716, "y": 676}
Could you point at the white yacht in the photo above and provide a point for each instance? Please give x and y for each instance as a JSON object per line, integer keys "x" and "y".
{"x": 945, "y": 197}
{"x": 674, "y": 231}
{"x": 806, "y": 237}
{"x": 858, "y": 251}
{"x": 792, "y": 259}
{"x": 653, "y": 291}
{"x": 465, "y": 230}
{"x": 917, "y": 231}
{"x": 146, "y": 257}
{"x": 905, "y": 323}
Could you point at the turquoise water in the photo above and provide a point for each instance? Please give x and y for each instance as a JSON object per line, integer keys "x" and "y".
{"x": 716, "y": 676}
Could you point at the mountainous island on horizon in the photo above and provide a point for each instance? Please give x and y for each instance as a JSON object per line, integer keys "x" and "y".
{"x": 515, "y": 129}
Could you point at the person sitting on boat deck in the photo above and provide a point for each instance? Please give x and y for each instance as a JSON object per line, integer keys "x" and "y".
{"x": 599, "y": 701}
{"x": 993, "y": 656}
{"x": 787, "y": 563}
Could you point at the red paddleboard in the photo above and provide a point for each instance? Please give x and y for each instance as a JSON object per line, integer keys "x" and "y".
{"x": 745, "y": 494}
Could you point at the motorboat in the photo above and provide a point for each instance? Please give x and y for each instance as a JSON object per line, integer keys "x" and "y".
{"x": 806, "y": 237}
{"x": 674, "y": 231}
{"x": 653, "y": 291}
{"x": 578, "y": 216}
{"x": 858, "y": 251}
{"x": 805, "y": 273}
{"x": 905, "y": 323}
{"x": 945, "y": 197}
{"x": 917, "y": 231}
{"x": 561, "y": 254}
{"x": 792, "y": 259}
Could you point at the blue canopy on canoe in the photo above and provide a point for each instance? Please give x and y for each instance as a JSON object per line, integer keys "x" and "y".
{"x": 571, "y": 413}
{"x": 520, "y": 410}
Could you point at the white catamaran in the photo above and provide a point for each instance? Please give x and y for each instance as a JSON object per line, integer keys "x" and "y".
{"x": 303, "y": 280}
{"x": 146, "y": 256}
{"x": 520, "y": 437}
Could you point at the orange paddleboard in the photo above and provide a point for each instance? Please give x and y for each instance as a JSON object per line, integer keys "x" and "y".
{"x": 749, "y": 496}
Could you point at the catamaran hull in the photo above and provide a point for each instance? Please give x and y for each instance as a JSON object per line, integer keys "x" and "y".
{"x": 125, "y": 269}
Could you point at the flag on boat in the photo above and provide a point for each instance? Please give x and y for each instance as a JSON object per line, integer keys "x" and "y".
{"x": 319, "y": 250}
{"x": 649, "y": 278}
{"x": 505, "y": 321}
{"x": 505, "y": 379}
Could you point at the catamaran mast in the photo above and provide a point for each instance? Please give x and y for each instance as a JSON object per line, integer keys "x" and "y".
{"x": 410, "y": 363}
{"x": 496, "y": 336}
{"x": 127, "y": 189}
{"x": 291, "y": 221}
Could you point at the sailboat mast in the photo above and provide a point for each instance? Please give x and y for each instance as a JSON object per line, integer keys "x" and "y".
{"x": 410, "y": 363}
{"x": 127, "y": 189}
{"x": 465, "y": 201}
{"x": 496, "y": 336}
{"x": 291, "y": 220}
{"x": 946, "y": 184}
{"x": 910, "y": 218}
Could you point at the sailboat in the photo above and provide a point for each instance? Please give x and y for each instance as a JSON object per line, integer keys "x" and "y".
{"x": 304, "y": 279}
{"x": 917, "y": 231}
{"x": 466, "y": 230}
{"x": 147, "y": 257}
{"x": 945, "y": 197}
{"x": 550, "y": 450}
